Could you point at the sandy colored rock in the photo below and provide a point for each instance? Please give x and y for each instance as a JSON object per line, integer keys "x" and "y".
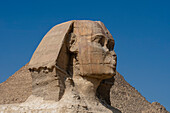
{"x": 155, "y": 107}
{"x": 17, "y": 88}
{"x": 49, "y": 48}
{"x": 60, "y": 76}
{"x": 118, "y": 79}
{"x": 74, "y": 70}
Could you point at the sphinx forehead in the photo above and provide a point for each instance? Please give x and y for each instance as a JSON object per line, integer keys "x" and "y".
{"x": 87, "y": 28}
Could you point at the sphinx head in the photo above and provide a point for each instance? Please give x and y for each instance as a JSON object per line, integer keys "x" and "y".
{"x": 77, "y": 49}
{"x": 93, "y": 46}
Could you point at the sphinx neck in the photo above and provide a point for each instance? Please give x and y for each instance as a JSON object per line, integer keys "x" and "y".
{"x": 87, "y": 87}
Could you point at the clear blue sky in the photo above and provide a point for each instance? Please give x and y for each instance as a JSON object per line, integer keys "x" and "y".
{"x": 141, "y": 29}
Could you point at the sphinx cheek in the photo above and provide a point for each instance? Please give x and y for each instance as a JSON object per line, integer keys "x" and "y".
{"x": 91, "y": 59}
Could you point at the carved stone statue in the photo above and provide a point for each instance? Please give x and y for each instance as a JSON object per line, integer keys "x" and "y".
{"x": 73, "y": 71}
{"x": 81, "y": 52}
{"x": 67, "y": 68}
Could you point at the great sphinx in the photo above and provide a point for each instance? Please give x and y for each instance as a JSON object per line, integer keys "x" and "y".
{"x": 80, "y": 50}
{"x": 68, "y": 66}
{"x": 73, "y": 71}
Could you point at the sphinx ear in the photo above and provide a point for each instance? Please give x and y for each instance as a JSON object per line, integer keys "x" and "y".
{"x": 72, "y": 43}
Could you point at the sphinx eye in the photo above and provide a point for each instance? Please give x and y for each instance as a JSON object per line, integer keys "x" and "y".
{"x": 99, "y": 39}
{"x": 110, "y": 44}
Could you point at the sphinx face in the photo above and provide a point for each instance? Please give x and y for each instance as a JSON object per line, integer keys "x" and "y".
{"x": 96, "y": 54}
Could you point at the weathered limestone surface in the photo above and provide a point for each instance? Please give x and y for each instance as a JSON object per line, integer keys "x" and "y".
{"x": 120, "y": 94}
{"x": 155, "y": 107}
{"x": 17, "y": 88}
{"x": 49, "y": 63}
{"x": 50, "y": 47}
{"x": 118, "y": 100}
{"x": 74, "y": 70}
